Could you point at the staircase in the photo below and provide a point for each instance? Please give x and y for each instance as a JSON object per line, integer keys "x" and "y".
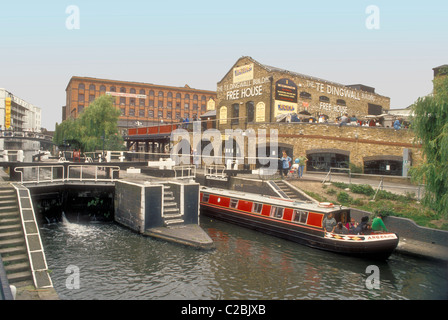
{"x": 288, "y": 191}
{"x": 171, "y": 214}
{"x": 12, "y": 240}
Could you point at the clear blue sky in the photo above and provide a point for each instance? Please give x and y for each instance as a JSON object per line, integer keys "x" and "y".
{"x": 197, "y": 42}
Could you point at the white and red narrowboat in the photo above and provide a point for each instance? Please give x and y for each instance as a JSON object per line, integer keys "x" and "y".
{"x": 301, "y": 222}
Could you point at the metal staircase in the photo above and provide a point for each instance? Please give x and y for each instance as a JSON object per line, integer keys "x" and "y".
{"x": 286, "y": 190}
{"x": 12, "y": 239}
{"x": 171, "y": 214}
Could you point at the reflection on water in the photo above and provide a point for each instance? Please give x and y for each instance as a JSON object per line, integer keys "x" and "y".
{"x": 116, "y": 263}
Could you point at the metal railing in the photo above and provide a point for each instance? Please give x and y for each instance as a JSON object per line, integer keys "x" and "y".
{"x": 57, "y": 173}
{"x": 184, "y": 172}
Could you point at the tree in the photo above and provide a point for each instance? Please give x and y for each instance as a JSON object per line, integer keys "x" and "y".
{"x": 97, "y": 126}
{"x": 430, "y": 125}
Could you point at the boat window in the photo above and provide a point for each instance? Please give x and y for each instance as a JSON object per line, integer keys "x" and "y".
{"x": 205, "y": 197}
{"x": 277, "y": 212}
{"x": 300, "y": 216}
{"x": 233, "y": 203}
{"x": 257, "y": 207}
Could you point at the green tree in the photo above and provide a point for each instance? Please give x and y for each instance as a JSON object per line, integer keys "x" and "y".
{"x": 430, "y": 124}
{"x": 96, "y": 125}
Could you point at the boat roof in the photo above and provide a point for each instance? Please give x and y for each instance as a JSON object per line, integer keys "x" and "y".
{"x": 272, "y": 200}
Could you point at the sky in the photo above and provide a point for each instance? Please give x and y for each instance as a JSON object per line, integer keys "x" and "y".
{"x": 392, "y": 47}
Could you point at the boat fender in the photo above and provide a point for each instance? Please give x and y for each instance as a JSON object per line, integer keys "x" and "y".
{"x": 326, "y": 204}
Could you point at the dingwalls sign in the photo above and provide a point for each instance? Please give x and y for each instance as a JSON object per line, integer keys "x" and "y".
{"x": 286, "y": 90}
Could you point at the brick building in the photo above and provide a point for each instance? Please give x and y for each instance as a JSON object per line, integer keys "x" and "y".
{"x": 141, "y": 104}
{"x": 253, "y": 92}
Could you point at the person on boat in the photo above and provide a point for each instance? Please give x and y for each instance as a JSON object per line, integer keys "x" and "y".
{"x": 378, "y": 224}
{"x": 340, "y": 229}
{"x": 285, "y": 160}
{"x": 329, "y": 223}
{"x": 362, "y": 227}
{"x": 351, "y": 226}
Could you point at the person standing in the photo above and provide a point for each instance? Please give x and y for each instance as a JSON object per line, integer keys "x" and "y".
{"x": 285, "y": 161}
{"x": 302, "y": 162}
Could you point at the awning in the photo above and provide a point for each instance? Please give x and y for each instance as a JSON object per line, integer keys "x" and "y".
{"x": 211, "y": 113}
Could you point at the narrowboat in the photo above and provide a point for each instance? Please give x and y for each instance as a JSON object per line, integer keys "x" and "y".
{"x": 301, "y": 222}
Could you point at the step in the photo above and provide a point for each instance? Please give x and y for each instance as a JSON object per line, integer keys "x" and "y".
{"x": 169, "y": 198}
{"x": 9, "y": 215}
{"x": 11, "y": 242}
{"x": 10, "y": 208}
{"x": 173, "y": 222}
{"x": 168, "y": 216}
{"x": 168, "y": 194}
{"x": 169, "y": 204}
{"x": 10, "y": 227}
{"x": 10, "y": 221}
{"x": 17, "y": 267}
{"x": 10, "y": 251}
{"x": 10, "y": 235}
{"x": 19, "y": 276}
{"x": 15, "y": 258}
{"x": 170, "y": 210}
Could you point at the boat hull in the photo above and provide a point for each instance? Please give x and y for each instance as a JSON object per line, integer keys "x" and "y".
{"x": 375, "y": 247}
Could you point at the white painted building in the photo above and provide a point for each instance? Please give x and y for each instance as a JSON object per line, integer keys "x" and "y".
{"x": 24, "y": 115}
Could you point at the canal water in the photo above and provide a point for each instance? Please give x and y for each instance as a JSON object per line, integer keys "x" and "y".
{"x": 112, "y": 262}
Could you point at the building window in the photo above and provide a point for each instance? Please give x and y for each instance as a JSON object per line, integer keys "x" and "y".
{"x": 169, "y": 104}
{"x": 195, "y": 106}
{"x": 305, "y": 95}
{"x": 195, "y": 97}
{"x": 141, "y": 113}
{"x": 250, "y": 111}
{"x": 81, "y": 86}
{"x": 91, "y": 97}
{"x": 80, "y": 97}
{"x": 123, "y": 111}
{"x": 160, "y": 94}
{"x": 102, "y": 88}
{"x": 177, "y": 105}
{"x": 92, "y": 87}
{"x": 112, "y": 89}
{"x": 340, "y": 102}
{"x": 131, "y": 112}
{"x": 122, "y": 100}
{"x": 235, "y": 113}
{"x": 151, "y": 103}
{"x": 160, "y": 114}
{"x": 203, "y": 108}
{"x": 170, "y": 95}
{"x": 80, "y": 109}
{"x": 160, "y": 103}
{"x": 177, "y": 115}
{"x": 203, "y": 98}
{"x": 151, "y": 93}
{"x": 150, "y": 113}
{"x": 178, "y": 96}
{"x": 142, "y": 91}
{"x": 132, "y": 101}
{"x": 123, "y": 90}
{"x": 186, "y": 106}
{"x": 187, "y": 97}
{"x": 141, "y": 102}
{"x": 132, "y": 91}
{"x": 324, "y": 99}
{"x": 169, "y": 115}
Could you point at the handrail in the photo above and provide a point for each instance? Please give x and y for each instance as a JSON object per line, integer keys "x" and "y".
{"x": 189, "y": 170}
{"x": 39, "y": 179}
{"x": 82, "y": 178}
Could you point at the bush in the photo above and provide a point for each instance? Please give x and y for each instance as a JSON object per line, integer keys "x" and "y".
{"x": 331, "y": 192}
{"x": 344, "y": 198}
{"x": 386, "y": 195}
{"x": 340, "y": 185}
{"x": 362, "y": 189}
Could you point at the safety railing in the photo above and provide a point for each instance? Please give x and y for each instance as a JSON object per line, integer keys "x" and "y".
{"x": 215, "y": 172}
{"x": 184, "y": 172}
{"x": 58, "y": 173}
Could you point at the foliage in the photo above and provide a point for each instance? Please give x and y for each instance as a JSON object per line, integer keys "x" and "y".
{"x": 97, "y": 126}
{"x": 344, "y": 198}
{"x": 430, "y": 124}
{"x": 340, "y": 185}
{"x": 362, "y": 189}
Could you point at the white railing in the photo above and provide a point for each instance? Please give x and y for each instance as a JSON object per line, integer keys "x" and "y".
{"x": 90, "y": 173}
{"x": 56, "y": 173}
{"x": 38, "y": 174}
{"x": 184, "y": 172}
{"x": 215, "y": 171}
